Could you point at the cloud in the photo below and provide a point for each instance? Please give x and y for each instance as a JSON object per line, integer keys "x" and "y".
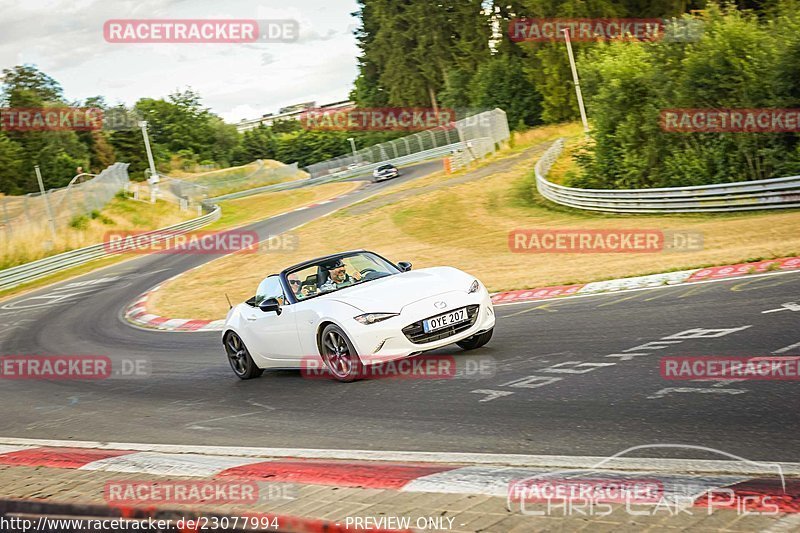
{"x": 64, "y": 38}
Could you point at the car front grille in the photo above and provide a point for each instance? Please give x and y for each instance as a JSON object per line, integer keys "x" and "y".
{"x": 415, "y": 333}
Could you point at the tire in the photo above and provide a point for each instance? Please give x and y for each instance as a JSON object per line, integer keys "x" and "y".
{"x": 476, "y": 341}
{"x": 339, "y": 355}
{"x": 239, "y": 357}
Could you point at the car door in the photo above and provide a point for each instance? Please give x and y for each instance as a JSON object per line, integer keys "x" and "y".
{"x": 272, "y": 335}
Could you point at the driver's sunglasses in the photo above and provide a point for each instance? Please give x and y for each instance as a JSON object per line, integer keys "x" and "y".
{"x": 294, "y": 281}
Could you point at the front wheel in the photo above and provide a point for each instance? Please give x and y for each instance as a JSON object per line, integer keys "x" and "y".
{"x": 242, "y": 364}
{"x": 339, "y": 354}
{"x": 476, "y": 341}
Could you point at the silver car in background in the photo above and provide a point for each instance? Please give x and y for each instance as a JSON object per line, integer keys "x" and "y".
{"x": 385, "y": 172}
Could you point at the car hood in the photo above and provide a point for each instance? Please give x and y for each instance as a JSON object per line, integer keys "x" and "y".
{"x": 392, "y": 293}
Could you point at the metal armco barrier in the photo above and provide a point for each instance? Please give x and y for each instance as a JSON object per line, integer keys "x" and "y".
{"x": 775, "y": 193}
{"x": 476, "y": 136}
{"x": 11, "y": 277}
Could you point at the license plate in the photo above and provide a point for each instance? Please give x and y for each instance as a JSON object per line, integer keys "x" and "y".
{"x": 445, "y": 320}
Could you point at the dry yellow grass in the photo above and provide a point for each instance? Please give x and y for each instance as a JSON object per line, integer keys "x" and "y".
{"x": 31, "y": 241}
{"x": 565, "y": 166}
{"x": 519, "y": 141}
{"x": 467, "y": 226}
{"x": 235, "y": 213}
{"x": 254, "y": 208}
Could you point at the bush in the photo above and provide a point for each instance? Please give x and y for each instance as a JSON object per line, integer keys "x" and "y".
{"x": 737, "y": 62}
{"x": 80, "y": 222}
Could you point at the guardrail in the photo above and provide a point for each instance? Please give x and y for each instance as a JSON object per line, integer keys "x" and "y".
{"x": 343, "y": 175}
{"x": 475, "y": 135}
{"x": 417, "y": 157}
{"x": 11, "y": 277}
{"x": 775, "y": 193}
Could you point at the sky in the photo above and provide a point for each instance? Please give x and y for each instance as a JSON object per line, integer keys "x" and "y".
{"x": 64, "y": 38}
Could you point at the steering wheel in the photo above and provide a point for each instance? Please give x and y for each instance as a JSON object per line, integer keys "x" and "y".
{"x": 367, "y": 271}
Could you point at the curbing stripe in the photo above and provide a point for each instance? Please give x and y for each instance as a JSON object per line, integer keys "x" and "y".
{"x": 8, "y": 449}
{"x": 371, "y": 475}
{"x": 560, "y": 462}
{"x": 472, "y": 480}
{"x": 58, "y": 457}
{"x": 760, "y": 494}
{"x": 653, "y": 280}
{"x": 194, "y": 465}
{"x": 401, "y": 476}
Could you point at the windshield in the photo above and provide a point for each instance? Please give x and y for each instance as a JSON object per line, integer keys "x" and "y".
{"x": 385, "y": 167}
{"x": 330, "y": 275}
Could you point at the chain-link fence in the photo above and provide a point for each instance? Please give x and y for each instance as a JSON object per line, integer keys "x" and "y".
{"x": 466, "y": 139}
{"x": 191, "y": 193}
{"x": 57, "y": 208}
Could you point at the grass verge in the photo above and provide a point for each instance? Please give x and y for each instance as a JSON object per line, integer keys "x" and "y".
{"x": 235, "y": 213}
{"x": 466, "y": 225}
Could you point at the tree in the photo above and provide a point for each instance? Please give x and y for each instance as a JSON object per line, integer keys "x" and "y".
{"x": 10, "y": 165}
{"x": 409, "y": 49}
{"x": 502, "y": 82}
{"x": 27, "y": 86}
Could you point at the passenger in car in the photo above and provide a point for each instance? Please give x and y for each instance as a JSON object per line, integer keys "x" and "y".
{"x": 295, "y": 284}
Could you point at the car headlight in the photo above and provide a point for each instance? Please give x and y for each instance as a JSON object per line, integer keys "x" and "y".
{"x": 474, "y": 287}
{"x": 371, "y": 318}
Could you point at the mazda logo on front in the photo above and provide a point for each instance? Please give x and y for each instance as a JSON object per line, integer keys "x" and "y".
{"x": 440, "y": 305}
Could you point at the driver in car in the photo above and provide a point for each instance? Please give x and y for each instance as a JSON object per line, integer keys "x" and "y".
{"x": 338, "y": 276}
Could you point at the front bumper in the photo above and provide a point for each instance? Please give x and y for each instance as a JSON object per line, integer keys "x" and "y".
{"x": 401, "y": 336}
{"x": 388, "y": 175}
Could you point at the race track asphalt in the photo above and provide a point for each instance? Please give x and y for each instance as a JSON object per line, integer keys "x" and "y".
{"x": 573, "y": 376}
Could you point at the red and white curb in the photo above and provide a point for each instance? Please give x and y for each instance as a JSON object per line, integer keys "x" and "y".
{"x": 653, "y": 280}
{"x": 417, "y": 476}
{"x": 137, "y": 312}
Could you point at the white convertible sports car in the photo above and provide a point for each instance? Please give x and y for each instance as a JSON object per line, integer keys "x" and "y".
{"x": 354, "y": 309}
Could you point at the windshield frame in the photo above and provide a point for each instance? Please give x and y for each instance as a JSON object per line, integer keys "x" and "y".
{"x": 293, "y": 269}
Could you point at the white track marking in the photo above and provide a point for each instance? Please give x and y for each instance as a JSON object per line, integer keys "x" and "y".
{"x": 472, "y": 480}
{"x": 684, "y": 390}
{"x": 788, "y": 348}
{"x": 542, "y": 461}
{"x": 789, "y": 306}
{"x": 491, "y": 394}
{"x": 163, "y": 464}
{"x": 11, "y": 449}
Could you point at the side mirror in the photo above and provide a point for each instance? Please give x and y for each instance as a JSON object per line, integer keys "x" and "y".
{"x": 270, "y": 304}
{"x": 404, "y": 266}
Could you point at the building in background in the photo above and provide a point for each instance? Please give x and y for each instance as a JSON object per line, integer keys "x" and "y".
{"x": 292, "y": 112}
